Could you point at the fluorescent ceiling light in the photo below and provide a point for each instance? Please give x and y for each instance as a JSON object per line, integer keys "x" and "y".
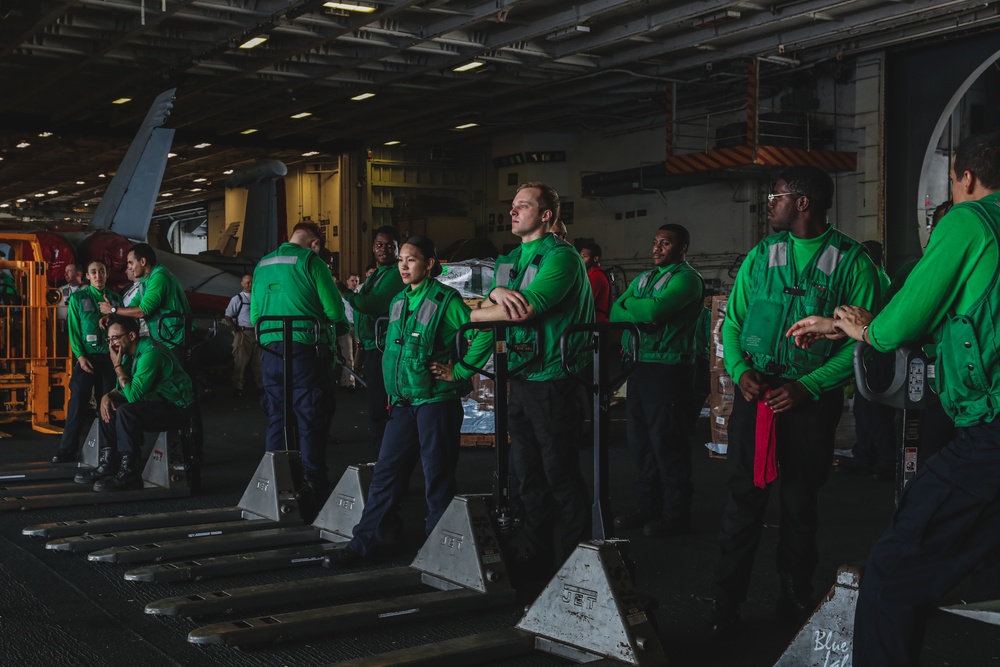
{"x": 23, "y": 144}
{"x": 351, "y": 6}
{"x": 780, "y": 60}
{"x": 227, "y": 172}
{"x": 5, "y": 205}
{"x": 166, "y": 194}
{"x": 122, "y": 100}
{"x": 195, "y": 189}
{"x": 102, "y": 176}
{"x": 362, "y": 96}
{"x": 53, "y": 192}
{"x": 253, "y": 41}
{"x": 21, "y": 200}
{"x": 310, "y": 153}
{"x": 391, "y": 143}
{"x": 39, "y": 194}
{"x": 304, "y": 114}
{"x": 466, "y": 126}
{"x": 44, "y": 134}
{"x": 202, "y": 145}
{"x": 79, "y": 183}
{"x": 200, "y": 180}
{"x": 469, "y": 65}
{"x": 168, "y": 155}
{"x": 249, "y": 130}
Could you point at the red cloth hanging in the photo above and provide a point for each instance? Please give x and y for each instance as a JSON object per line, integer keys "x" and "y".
{"x": 765, "y": 460}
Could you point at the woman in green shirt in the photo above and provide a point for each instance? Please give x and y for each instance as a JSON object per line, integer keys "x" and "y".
{"x": 425, "y": 417}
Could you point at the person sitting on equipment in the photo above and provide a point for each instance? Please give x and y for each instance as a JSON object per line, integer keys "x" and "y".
{"x": 425, "y": 390}
{"x": 153, "y": 393}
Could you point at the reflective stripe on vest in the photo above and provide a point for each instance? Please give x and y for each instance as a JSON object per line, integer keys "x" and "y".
{"x": 829, "y": 260}
{"x": 396, "y": 311}
{"x": 777, "y": 255}
{"x": 426, "y": 311}
{"x": 280, "y": 259}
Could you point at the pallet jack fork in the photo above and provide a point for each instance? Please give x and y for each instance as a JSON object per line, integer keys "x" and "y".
{"x": 461, "y": 562}
{"x": 164, "y": 476}
{"x": 589, "y": 612}
{"x": 269, "y": 500}
{"x": 332, "y": 528}
{"x": 39, "y": 470}
{"x": 827, "y": 638}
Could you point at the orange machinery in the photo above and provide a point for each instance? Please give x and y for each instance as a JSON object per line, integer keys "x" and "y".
{"x": 35, "y": 356}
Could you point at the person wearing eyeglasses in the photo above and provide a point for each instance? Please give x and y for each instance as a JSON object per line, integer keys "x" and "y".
{"x": 152, "y": 393}
{"x": 789, "y": 400}
{"x": 370, "y": 303}
{"x": 92, "y": 370}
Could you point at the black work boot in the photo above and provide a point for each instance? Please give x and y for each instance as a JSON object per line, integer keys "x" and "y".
{"x": 635, "y": 519}
{"x": 127, "y": 478}
{"x": 794, "y": 603}
{"x": 107, "y": 465}
{"x": 64, "y": 456}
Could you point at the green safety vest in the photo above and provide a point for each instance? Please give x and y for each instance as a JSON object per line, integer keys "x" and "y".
{"x": 171, "y": 311}
{"x": 86, "y": 313}
{"x": 779, "y": 298}
{"x": 967, "y": 370}
{"x": 671, "y": 341}
{"x": 173, "y": 385}
{"x": 283, "y": 287}
{"x": 412, "y": 344}
{"x": 575, "y": 308}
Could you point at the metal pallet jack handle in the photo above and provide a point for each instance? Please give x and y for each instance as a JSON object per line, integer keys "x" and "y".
{"x": 500, "y": 375}
{"x": 600, "y": 388}
{"x": 289, "y": 326}
{"x": 909, "y": 391}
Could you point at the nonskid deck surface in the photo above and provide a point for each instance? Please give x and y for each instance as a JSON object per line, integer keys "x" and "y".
{"x": 79, "y": 601}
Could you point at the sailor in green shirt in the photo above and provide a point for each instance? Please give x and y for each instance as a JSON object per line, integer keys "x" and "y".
{"x": 370, "y": 303}
{"x": 153, "y": 393}
{"x": 543, "y": 283}
{"x": 425, "y": 417}
{"x": 162, "y": 301}
{"x": 807, "y": 266}
{"x": 665, "y": 303}
{"x": 92, "y": 371}
{"x": 294, "y": 282}
{"x": 948, "y": 518}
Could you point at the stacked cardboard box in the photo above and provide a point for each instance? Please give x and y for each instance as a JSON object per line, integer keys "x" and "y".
{"x": 722, "y": 388}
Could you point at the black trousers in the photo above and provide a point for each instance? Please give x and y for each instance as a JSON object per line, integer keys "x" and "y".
{"x": 124, "y": 432}
{"x": 875, "y": 428}
{"x": 542, "y": 424}
{"x": 947, "y": 522}
{"x": 805, "y": 438}
{"x": 81, "y": 385}
{"x": 657, "y": 429}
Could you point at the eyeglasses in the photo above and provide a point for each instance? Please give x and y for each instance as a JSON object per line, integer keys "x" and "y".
{"x": 114, "y": 339}
{"x": 771, "y": 197}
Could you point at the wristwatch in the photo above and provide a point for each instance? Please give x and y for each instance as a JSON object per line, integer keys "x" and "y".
{"x": 114, "y": 310}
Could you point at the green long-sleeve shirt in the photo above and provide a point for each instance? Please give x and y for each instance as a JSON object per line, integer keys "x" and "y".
{"x": 862, "y": 290}
{"x": 156, "y": 375}
{"x": 162, "y": 298}
{"x": 86, "y": 337}
{"x": 954, "y": 272}
{"x": 372, "y": 301}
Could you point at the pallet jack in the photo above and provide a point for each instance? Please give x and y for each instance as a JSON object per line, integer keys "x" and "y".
{"x": 827, "y": 637}
{"x": 461, "y": 561}
{"x": 302, "y": 545}
{"x": 270, "y": 499}
{"x": 164, "y": 476}
{"x": 910, "y": 392}
{"x": 39, "y": 470}
{"x": 590, "y": 611}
